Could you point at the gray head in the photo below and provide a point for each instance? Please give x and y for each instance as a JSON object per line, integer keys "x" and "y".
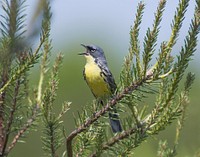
{"x": 95, "y": 51}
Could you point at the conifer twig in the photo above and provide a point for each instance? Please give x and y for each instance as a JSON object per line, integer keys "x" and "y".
{"x": 24, "y": 128}
{"x": 145, "y": 125}
{"x": 134, "y": 34}
{"x": 100, "y": 113}
{"x": 119, "y": 137}
{"x": 11, "y": 118}
{"x": 151, "y": 37}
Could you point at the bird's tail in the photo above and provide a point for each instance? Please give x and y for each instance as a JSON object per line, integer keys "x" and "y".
{"x": 115, "y": 122}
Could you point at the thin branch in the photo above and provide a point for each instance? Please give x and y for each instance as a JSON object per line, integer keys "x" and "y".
{"x": 166, "y": 48}
{"x": 110, "y": 104}
{"x": 146, "y": 125}
{"x": 151, "y": 37}
{"x": 11, "y": 117}
{"x": 21, "y": 69}
{"x": 66, "y": 107}
{"x": 117, "y": 138}
{"x": 47, "y": 47}
{"x": 134, "y": 33}
{"x": 24, "y": 128}
{"x": 2, "y": 98}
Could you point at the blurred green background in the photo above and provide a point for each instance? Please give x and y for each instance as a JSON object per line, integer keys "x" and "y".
{"x": 107, "y": 24}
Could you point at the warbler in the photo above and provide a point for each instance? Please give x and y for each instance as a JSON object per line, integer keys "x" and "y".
{"x": 100, "y": 80}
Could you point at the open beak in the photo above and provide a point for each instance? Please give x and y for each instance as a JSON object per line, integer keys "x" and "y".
{"x": 84, "y": 46}
{"x": 84, "y": 53}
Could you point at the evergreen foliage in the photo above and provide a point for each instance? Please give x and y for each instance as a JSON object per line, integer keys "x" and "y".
{"x": 23, "y": 109}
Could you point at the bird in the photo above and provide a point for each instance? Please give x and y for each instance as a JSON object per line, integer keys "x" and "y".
{"x": 100, "y": 80}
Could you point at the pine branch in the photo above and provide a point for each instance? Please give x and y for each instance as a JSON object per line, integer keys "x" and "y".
{"x": 11, "y": 117}
{"x": 26, "y": 126}
{"x": 47, "y": 46}
{"x": 151, "y": 37}
{"x": 186, "y": 53}
{"x": 166, "y": 108}
{"x": 176, "y": 25}
{"x": 126, "y": 73}
{"x": 20, "y": 70}
{"x": 164, "y": 149}
{"x": 31, "y": 60}
{"x": 135, "y": 49}
{"x": 52, "y": 139}
{"x": 184, "y": 101}
{"x": 110, "y": 104}
{"x": 165, "y": 102}
{"x": 177, "y": 22}
{"x": 114, "y": 140}
{"x": 144, "y": 128}
{"x": 10, "y": 25}
{"x": 13, "y": 24}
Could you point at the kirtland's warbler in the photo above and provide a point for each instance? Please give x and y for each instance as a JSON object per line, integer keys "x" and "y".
{"x": 100, "y": 80}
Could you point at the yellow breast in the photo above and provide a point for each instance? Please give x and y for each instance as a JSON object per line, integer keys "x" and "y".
{"x": 94, "y": 80}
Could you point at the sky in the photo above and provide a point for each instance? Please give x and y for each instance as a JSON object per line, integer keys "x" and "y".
{"x": 107, "y": 23}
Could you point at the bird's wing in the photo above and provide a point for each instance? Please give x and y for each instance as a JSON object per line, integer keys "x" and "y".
{"x": 107, "y": 75}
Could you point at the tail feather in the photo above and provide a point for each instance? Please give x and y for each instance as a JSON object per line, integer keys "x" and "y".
{"x": 115, "y": 122}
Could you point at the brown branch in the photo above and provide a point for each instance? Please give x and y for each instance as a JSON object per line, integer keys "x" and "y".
{"x": 143, "y": 127}
{"x": 12, "y": 13}
{"x": 11, "y": 117}
{"x": 117, "y": 138}
{"x": 110, "y": 104}
{"x": 4, "y": 78}
{"x": 24, "y": 128}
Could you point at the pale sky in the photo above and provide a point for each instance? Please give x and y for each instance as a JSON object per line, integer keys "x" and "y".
{"x": 107, "y": 22}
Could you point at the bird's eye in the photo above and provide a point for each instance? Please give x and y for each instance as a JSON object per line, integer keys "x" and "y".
{"x": 93, "y": 50}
